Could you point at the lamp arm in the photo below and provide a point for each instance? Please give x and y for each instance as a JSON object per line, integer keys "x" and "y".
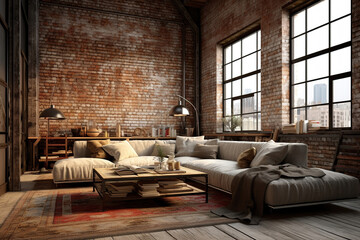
{"x": 196, "y": 113}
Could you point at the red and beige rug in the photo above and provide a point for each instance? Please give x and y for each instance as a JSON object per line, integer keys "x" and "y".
{"x": 78, "y": 214}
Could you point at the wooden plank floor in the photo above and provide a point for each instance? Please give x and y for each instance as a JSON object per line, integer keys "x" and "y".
{"x": 329, "y": 221}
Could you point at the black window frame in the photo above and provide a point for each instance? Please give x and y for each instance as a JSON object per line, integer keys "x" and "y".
{"x": 255, "y": 73}
{"x": 331, "y": 78}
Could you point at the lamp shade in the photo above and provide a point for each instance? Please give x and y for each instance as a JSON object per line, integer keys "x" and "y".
{"x": 52, "y": 113}
{"x": 179, "y": 111}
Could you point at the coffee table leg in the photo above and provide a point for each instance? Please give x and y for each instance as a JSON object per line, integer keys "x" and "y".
{"x": 93, "y": 180}
{"x": 207, "y": 189}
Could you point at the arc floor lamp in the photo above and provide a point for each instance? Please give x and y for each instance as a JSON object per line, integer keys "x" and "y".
{"x": 181, "y": 111}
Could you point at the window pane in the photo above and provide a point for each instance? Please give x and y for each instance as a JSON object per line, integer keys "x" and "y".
{"x": 318, "y": 39}
{"x": 228, "y": 54}
{"x": 259, "y": 102}
{"x": 342, "y": 90}
{"x": 342, "y": 115}
{"x": 236, "y": 107}
{"x": 259, "y": 60}
{"x": 249, "y": 122}
{"x": 249, "y": 44}
{"x": 236, "y": 48}
{"x": 236, "y": 88}
{"x": 236, "y": 68}
{"x": 259, "y": 122}
{"x": 298, "y": 23}
{"x": 298, "y": 70}
{"x": 317, "y": 92}
{"x": 228, "y": 72}
{"x": 249, "y": 84}
{"x": 259, "y": 39}
{"x": 299, "y": 47}
{"x": 298, "y": 114}
{"x": 249, "y": 63}
{"x": 259, "y": 82}
{"x": 319, "y": 113}
{"x": 318, "y": 14}
{"x": 341, "y": 31}
{"x": 299, "y": 95}
{"x": 227, "y": 107}
{"x": 341, "y": 61}
{"x": 318, "y": 67}
{"x": 340, "y": 8}
{"x": 249, "y": 104}
{"x": 227, "y": 92}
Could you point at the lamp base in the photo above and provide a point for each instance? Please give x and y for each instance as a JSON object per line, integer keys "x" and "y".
{"x": 44, "y": 170}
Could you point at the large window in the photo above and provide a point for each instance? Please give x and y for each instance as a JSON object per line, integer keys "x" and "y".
{"x": 242, "y": 82}
{"x": 321, "y": 63}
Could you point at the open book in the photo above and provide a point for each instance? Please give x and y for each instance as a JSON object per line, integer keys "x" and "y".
{"x": 131, "y": 170}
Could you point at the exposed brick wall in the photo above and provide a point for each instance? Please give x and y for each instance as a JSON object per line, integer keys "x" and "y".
{"x": 321, "y": 147}
{"x": 113, "y": 61}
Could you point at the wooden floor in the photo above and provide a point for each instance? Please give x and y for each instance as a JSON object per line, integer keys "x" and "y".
{"x": 328, "y": 221}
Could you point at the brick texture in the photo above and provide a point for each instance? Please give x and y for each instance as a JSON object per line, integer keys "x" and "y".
{"x": 113, "y": 61}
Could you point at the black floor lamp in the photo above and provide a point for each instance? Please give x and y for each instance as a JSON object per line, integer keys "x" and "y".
{"x": 50, "y": 113}
{"x": 181, "y": 111}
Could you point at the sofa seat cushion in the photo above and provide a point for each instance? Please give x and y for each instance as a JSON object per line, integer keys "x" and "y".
{"x": 333, "y": 186}
{"x": 220, "y": 172}
{"x": 78, "y": 169}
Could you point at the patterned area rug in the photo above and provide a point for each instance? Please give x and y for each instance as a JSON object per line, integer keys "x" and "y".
{"x": 78, "y": 214}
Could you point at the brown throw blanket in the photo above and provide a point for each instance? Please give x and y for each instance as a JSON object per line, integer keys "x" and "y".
{"x": 249, "y": 187}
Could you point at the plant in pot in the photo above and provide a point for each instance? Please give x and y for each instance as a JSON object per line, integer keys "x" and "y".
{"x": 161, "y": 156}
{"x": 232, "y": 122}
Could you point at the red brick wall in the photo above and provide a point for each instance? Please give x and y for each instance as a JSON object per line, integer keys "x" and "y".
{"x": 112, "y": 61}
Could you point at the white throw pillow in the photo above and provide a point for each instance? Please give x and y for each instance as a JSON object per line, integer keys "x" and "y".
{"x": 270, "y": 154}
{"x": 185, "y": 145}
{"x": 120, "y": 150}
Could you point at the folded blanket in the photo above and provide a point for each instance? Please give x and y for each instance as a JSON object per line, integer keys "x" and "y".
{"x": 249, "y": 187}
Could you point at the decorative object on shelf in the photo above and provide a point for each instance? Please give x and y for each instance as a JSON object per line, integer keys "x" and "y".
{"x": 161, "y": 156}
{"x": 181, "y": 111}
{"x": 75, "y": 132}
{"x": 93, "y": 132}
{"x": 232, "y": 122}
{"x": 118, "y": 130}
{"x": 139, "y": 132}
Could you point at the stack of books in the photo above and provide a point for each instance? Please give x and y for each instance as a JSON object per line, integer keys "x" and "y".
{"x": 119, "y": 189}
{"x": 173, "y": 186}
{"x": 289, "y": 129}
{"x": 147, "y": 188}
{"x": 314, "y": 125}
{"x": 131, "y": 170}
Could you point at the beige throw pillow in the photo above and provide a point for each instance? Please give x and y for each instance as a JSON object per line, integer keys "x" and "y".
{"x": 205, "y": 151}
{"x": 96, "y": 150}
{"x": 167, "y": 149}
{"x": 270, "y": 154}
{"x": 120, "y": 150}
{"x": 245, "y": 158}
{"x": 185, "y": 145}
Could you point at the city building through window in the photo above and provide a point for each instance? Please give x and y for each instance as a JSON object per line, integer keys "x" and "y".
{"x": 321, "y": 63}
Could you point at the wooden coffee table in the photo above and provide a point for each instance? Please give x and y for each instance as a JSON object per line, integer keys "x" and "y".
{"x": 101, "y": 176}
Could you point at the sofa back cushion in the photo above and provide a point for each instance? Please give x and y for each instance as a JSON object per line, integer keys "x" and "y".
{"x": 230, "y": 150}
{"x": 143, "y": 147}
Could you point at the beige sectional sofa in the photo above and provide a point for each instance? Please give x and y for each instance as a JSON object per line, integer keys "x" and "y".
{"x": 221, "y": 171}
